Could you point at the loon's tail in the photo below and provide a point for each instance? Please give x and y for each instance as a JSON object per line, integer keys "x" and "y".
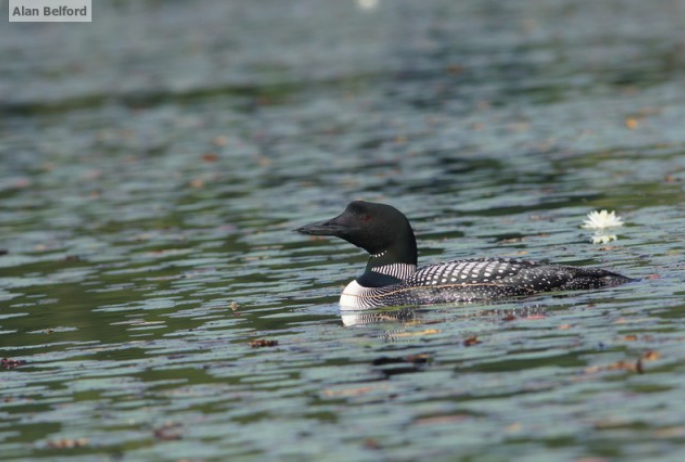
{"x": 593, "y": 278}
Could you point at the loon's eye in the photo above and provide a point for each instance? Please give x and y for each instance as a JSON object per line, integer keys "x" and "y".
{"x": 366, "y": 217}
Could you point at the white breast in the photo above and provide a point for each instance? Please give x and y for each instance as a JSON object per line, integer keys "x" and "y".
{"x": 350, "y": 298}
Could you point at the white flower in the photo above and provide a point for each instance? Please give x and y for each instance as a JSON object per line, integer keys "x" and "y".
{"x": 599, "y": 238}
{"x": 601, "y": 220}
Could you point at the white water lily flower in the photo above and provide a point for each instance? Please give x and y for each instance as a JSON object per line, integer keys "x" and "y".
{"x": 602, "y": 220}
{"x": 603, "y": 238}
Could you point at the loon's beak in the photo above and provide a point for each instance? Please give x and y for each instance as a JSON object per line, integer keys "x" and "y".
{"x": 324, "y": 228}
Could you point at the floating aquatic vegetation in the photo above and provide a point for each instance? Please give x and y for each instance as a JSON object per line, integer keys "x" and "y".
{"x": 260, "y": 343}
{"x": 599, "y": 238}
{"x": 600, "y": 221}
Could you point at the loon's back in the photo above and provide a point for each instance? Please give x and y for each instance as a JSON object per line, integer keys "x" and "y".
{"x": 477, "y": 279}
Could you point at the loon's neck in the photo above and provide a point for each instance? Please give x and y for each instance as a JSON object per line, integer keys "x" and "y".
{"x": 391, "y": 265}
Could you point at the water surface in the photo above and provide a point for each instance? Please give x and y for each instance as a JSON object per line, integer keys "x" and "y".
{"x": 155, "y": 162}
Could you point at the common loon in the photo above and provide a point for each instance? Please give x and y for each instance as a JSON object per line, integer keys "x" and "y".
{"x": 392, "y": 279}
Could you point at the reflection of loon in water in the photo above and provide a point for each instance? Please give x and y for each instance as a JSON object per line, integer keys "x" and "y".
{"x": 392, "y": 279}
{"x": 411, "y": 314}
{"x": 401, "y": 315}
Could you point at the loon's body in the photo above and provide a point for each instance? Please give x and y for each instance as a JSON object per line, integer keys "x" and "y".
{"x": 391, "y": 277}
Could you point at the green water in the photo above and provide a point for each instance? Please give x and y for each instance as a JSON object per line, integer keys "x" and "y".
{"x": 154, "y": 164}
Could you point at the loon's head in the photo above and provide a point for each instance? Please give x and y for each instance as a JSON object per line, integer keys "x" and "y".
{"x": 380, "y": 229}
